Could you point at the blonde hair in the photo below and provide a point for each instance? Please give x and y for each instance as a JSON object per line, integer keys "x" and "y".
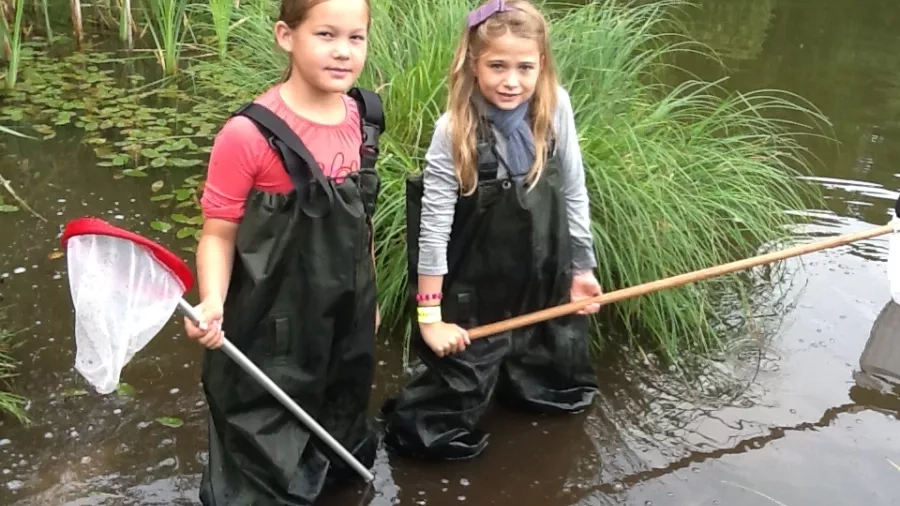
{"x": 521, "y": 19}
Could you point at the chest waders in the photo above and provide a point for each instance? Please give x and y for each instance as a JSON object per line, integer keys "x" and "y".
{"x": 509, "y": 254}
{"x": 301, "y": 305}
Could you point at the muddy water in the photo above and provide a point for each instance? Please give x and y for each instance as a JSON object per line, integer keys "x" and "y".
{"x": 800, "y": 432}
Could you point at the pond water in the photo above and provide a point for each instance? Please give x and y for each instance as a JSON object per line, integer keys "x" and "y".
{"x": 802, "y": 433}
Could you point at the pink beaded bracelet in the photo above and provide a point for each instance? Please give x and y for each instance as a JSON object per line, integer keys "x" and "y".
{"x": 421, "y": 297}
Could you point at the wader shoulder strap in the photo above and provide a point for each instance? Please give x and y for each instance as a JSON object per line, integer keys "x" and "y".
{"x": 293, "y": 153}
{"x": 489, "y": 157}
{"x": 486, "y": 152}
{"x": 372, "y": 124}
{"x": 371, "y": 112}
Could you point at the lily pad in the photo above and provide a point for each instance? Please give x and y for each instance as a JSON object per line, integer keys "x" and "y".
{"x": 186, "y": 232}
{"x": 170, "y": 421}
{"x": 161, "y": 226}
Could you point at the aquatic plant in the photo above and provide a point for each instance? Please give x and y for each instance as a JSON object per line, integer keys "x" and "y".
{"x": 12, "y": 40}
{"x": 168, "y": 23}
{"x": 9, "y": 403}
{"x": 220, "y": 11}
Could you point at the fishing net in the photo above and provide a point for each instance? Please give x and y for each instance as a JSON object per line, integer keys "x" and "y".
{"x": 893, "y": 263}
{"x": 124, "y": 289}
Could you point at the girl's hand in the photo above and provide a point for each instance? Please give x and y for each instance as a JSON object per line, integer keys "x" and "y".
{"x": 444, "y": 338}
{"x": 211, "y": 314}
{"x": 584, "y": 286}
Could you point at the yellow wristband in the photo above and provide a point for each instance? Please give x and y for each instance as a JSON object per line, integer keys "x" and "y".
{"x": 429, "y": 314}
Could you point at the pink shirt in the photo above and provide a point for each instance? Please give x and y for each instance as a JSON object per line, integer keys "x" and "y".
{"x": 241, "y": 158}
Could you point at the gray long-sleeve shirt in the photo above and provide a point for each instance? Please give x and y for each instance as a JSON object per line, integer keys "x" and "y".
{"x": 441, "y": 189}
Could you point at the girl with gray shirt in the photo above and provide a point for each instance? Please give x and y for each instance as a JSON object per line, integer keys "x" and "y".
{"x": 498, "y": 226}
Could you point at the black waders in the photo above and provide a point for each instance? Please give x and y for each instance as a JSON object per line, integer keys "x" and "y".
{"x": 509, "y": 254}
{"x": 301, "y": 305}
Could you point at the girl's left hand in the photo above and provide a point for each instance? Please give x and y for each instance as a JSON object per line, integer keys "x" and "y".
{"x": 584, "y": 286}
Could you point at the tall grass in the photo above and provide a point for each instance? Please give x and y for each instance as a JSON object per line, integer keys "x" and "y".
{"x": 9, "y": 403}
{"x": 125, "y": 22}
{"x": 45, "y": 10}
{"x": 680, "y": 178}
{"x": 168, "y": 23}
{"x": 13, "y": 37}
{"x": 220, "y": 11}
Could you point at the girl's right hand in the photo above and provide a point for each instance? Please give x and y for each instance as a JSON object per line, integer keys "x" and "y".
{"x": 444, "y": 338}
{"x": 211, "y": 314}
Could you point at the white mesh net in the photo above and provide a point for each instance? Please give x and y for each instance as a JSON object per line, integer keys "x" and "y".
{"x": 122, "y": 298}
{"x": 893, "y": 263}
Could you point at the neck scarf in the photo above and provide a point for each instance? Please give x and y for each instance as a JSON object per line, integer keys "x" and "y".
{"x": 513, "y": 124}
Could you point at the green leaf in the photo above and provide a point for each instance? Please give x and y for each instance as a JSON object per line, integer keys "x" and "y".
{"x": 158, "y": 162}
{"x": 170, "y": 421}
{"x": 161, "y": 198}
{"x": 5, "y": 208}
{"x": 183, "y": 194}
{"x": 186, "y": 232}
{"x": 125, "y": 390}
{"x": 180, "y": 218}
{"x": 185, "y": 162}
{"x": 134, "y": 173}
{"x": 161, "y": 226}
{"x": 156, "y": 186}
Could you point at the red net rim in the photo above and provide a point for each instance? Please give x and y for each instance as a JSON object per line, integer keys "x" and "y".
{"x": 96, "y": 226}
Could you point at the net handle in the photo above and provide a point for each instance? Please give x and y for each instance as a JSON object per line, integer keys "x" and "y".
{"x": 247, "y": 365}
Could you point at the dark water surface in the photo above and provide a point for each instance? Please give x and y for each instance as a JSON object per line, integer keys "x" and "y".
{"x": 803, "y": 433}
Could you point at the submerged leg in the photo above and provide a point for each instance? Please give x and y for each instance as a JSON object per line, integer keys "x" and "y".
{"x": 346, "y": 398}
{"x": 549, "y": 368}
{"x": 436, "y": 414}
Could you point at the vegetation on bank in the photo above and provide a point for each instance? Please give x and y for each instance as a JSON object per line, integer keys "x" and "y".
{"x": 9, "y": 403}
{"x": 681, "y": 177}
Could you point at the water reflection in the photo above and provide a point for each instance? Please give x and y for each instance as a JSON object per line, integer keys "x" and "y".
{"x": 734, "y": 29}
{"x": 837, "y": 54}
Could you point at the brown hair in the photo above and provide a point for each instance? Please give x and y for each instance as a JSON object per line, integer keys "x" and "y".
{"x": 293, "y": 12}
{"x": 521, "y": 20}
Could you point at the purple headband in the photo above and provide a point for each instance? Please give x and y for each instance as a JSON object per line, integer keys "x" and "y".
{"x": 487, "y": 10}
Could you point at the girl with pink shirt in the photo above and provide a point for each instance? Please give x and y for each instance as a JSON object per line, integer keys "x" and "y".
{"x": 286, "y": 268}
